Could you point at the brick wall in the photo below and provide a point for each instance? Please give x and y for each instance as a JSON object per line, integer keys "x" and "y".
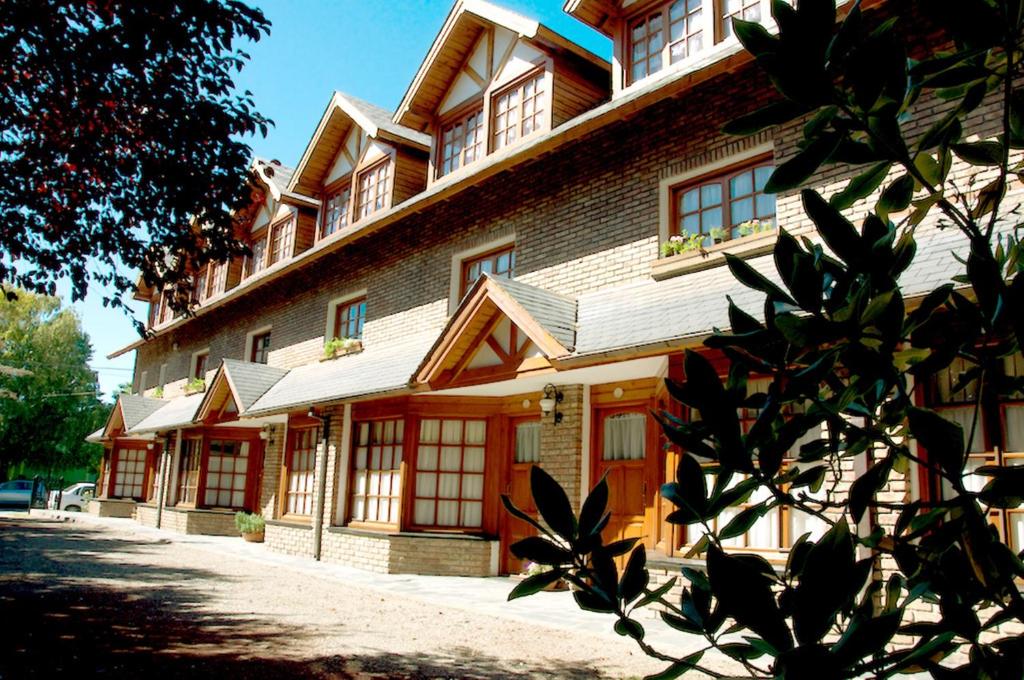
{"x": 273, "y": 457}
{"x": 561, "y": 452}
{"x": 408, "y": 553}
{"x": 289, "y": 539}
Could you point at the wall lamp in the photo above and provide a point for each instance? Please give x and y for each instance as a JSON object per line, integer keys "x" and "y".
{"x": 550, "y": 401}
{"x": 267, "y": 432}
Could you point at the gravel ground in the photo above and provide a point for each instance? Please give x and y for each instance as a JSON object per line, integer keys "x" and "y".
{"x": 96, "y": 600}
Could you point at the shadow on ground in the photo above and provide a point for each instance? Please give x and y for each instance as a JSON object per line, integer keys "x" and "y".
{"x": 69, "y": 605}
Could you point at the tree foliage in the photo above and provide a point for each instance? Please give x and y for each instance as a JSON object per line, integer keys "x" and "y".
{"x": 842, "y": 347}
{"x": 46, "y": 413}
{"x": 121, "y": 139}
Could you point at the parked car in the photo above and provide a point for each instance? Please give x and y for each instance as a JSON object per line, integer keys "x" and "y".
{"x": 18, "y": 493}
{"x": 74, "y": 498}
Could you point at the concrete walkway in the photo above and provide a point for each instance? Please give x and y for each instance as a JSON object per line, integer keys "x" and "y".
{"x": 488, "y": 596}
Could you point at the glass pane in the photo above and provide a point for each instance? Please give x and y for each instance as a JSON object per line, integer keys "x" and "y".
{"x": 1014, "y": 428}
{"x": 741, "y": 185}
{"x": 448, "y": 486}
{"x": 711, "y": 194}
{"x": 765, "y": 205}
{"x": 473, "y": 486}
{"x": 742, "y": 210}
{"x": 451, "y": 432}
{"x": 451, "y": 457}
{"x": 426, "y": 484}
{"x": 430, "y": 430}
{"x": 473, "y": 459}
{"x": 472, "y": 514}
{"x": 476, "y": 431}
{"x": 691, "y": 200}
{"x": 447, "y": 513}
{"x": 423, "y": 512}
{"x": 427, "y": 458}
{"x": 761, "y": 176}
{"x": 711, "y": 219}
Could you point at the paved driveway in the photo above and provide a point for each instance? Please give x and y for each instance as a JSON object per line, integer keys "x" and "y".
{"x": 111, "y": 599}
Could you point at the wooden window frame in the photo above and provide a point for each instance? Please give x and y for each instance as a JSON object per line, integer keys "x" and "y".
{"x": 255, "y": 350}
{"x": 281, "y": 240}
{"x": 115, "y": 474}
{"x": 199, "y": 364}
{"x": 289, "y": 468}
{"x": 994, "y": 444}
{"x": 491, "y": 255}
{"x": 723, "y": 20}
{"x": 712, "y": 25}
{"x": 253, "y": 264}
{"x": 363, "y": 198}
{"x": 722, "y": 178}
{"x": 539, "y": 72}
{"x": 460, "y": 117}
{"x": 334, "y": 191}
{"x": 189, "y": 462}
{"x": 205, "y": 466}
{"x": 401, "y": 470}
{"x": 340, "y": 310}
{"x": 486, "y": 474}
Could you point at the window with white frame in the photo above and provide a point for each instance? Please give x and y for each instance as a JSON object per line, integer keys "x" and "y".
{"x": 377, "y": 471}
{"x": 227, "y": 468}
{"x": 130, "y": 472}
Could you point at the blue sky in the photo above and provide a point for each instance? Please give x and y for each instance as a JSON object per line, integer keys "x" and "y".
{"x": 367, "y": 48}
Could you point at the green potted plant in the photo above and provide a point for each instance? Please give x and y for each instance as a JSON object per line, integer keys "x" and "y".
{"x": 158, "y": 393}
{"x": 251, "y": 525}
{"x": 336, "y": 347}
{"x": 195, "y": 385}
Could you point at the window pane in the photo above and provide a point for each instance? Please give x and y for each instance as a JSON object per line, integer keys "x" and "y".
{"x": 711, "y": 194}
{"x": 741, "y": 185}
{"x": 742, "y": 210}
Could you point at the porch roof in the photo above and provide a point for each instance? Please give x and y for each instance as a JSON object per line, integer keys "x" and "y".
{"x": 175, "y": 413}
{"x": 375, "y": 370}
{"x": 694, "y": 305}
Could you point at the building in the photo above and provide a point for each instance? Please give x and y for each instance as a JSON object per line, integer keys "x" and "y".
{"x": 442, "y": 296}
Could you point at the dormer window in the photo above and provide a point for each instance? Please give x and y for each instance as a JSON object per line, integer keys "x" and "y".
{"x": 282, "y": 238}
{"x": 672, "y": 33}
{"x": 336, "y": 210}
{"x": 747, "y": 10}
{"x": 461, "y": 141}
{"x": 373, "y": 188}
{"x": 518, "y": 110}
{"x": 258, "y": 260}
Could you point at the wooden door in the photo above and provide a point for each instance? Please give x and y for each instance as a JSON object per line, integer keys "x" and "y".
{"x": 623, "y": 450}
{"x": 523, "y": 453}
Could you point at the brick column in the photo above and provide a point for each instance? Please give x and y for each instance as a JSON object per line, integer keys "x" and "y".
{"x": 561, "y": 445}
{"x": 273, "y": 457}
{"x": 337, "y": 464}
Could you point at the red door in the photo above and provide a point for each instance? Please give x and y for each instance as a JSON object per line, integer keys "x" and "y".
{"x": 624, "y": 452}
{"x": 524, "y": 452}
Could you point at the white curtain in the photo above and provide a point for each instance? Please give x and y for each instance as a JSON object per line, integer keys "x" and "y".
{"x": 964, "y": 417}
{"x": 625, "y": 436}
{"x": 1015, "y": 428}
{"x": 528, "y": 442}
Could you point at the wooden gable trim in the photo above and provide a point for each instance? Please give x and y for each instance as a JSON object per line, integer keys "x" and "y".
{"x": 209, "y": 411}
{"x": 487, "y": 298}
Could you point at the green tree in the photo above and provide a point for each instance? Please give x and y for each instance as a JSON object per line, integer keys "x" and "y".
{"x": 842, "y": 345}
{"x": 46, "y": 412}
{"x": 121, "y": 140}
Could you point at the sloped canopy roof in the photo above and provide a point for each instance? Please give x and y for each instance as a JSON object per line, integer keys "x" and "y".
{"x": 375, "y": 370}
{"x": 342, "y": 113}
{"x": 129, "y": 411}
{"x": 177, "y": 412}
{"x": 241, "y": 383}
{"x": 548, "y": 320}
{"x": 453, "y": 44}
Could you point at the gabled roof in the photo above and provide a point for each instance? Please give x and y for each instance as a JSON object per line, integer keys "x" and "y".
{"x": 594, "y": 13}
{"x": 129, "y": 411}
{"x": 243, "y": 382}
{"x": 453, "y": 45}
{"x": 380, "y": 368}
{"x": 342, "y": 113}
{"x": 546, "y": 318}
{"x": 177, "y": 412}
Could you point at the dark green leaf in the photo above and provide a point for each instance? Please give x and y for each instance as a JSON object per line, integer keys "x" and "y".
{"x": 629, "y": 628}
{"x": 540, "y": 550}
{"x": 773, "y": 114}
{"x": 980, "y": 153}
{"x": 798, "y": 169}
{"x": 552, "y": 503}
{"x": 943, "y": 440}
{"x": 535, "y": 584}
{"x": 594, "y": 507}
{"x": 861, "y": 186}
{"x": 634, "y": 577}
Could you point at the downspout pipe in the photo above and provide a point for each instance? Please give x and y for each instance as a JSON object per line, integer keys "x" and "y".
{"x": 321, "y": 486}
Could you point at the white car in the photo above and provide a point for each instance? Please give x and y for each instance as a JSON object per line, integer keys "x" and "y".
{"x": 74, "y": 498}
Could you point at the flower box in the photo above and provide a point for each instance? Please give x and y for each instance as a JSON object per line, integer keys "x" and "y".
{"x": 335, "y": 348}
{"x": 714, "y": 255}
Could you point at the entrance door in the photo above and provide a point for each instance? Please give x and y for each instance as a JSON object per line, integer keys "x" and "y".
{"x": 524, "y": 452}
{"x": 623, "y": 451}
